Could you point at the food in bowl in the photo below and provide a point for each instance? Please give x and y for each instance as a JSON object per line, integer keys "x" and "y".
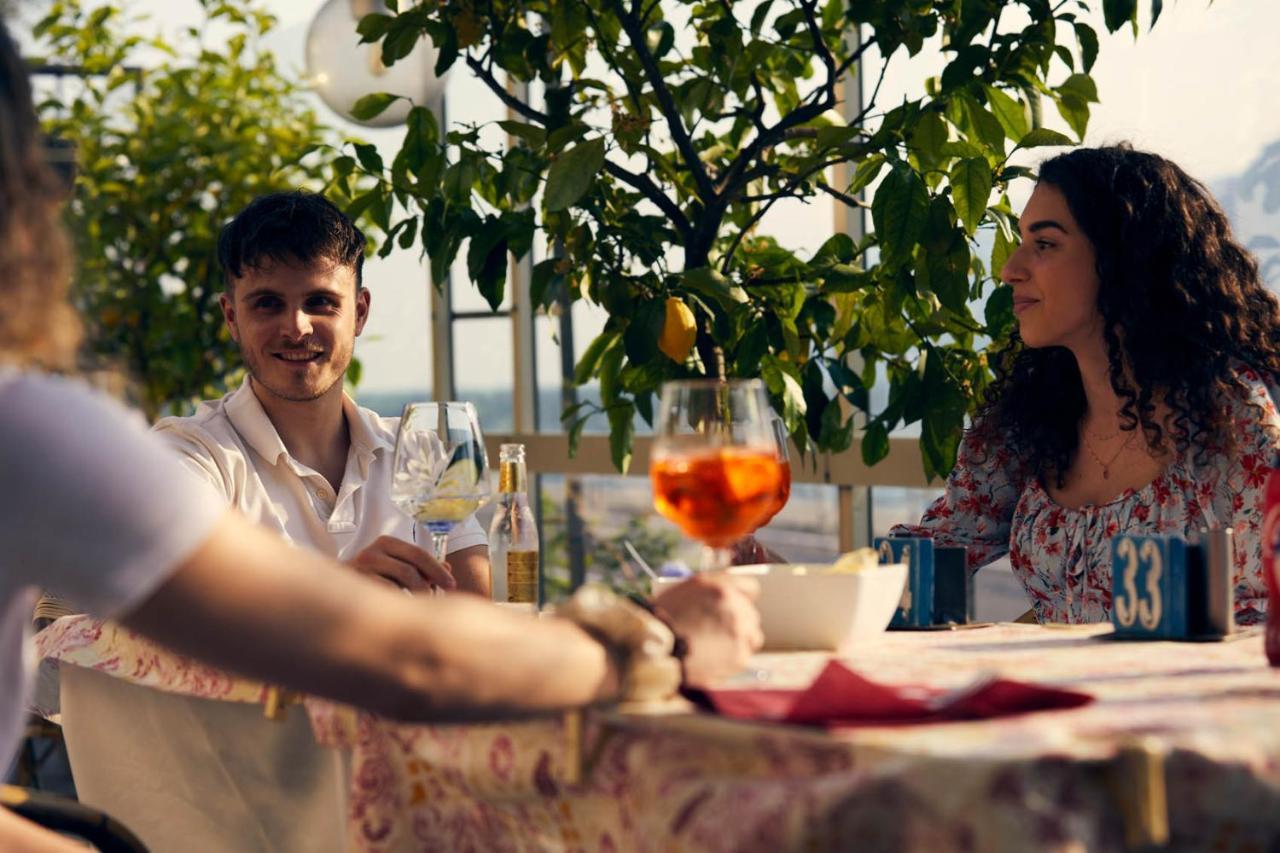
{"x": 829, "y": 606}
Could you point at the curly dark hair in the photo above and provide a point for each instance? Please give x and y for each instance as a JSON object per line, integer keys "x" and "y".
{"x": 38, "y": 326}
{"x": 1182, "y": 304}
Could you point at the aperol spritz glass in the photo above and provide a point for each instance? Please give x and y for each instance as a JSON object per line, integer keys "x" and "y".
{"x": 715, "y": 468}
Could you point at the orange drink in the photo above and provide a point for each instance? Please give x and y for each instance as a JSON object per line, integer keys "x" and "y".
{"x": 718, "y": 495}
{"x": 783, "y": 495}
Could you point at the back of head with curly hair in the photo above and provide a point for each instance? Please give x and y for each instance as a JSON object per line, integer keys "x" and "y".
{"x": 38, "y": 327}
{"x": 1182, "y": 306}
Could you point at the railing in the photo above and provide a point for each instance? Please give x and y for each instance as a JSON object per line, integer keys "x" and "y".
{"x": 548, "y": 453}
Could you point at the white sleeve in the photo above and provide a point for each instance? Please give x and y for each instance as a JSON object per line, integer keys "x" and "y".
{"x": 92, "y": 506}
{"x": 465, "y": 534}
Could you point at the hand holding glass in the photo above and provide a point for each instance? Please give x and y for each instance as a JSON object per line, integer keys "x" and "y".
{"x": 441, "y": 472}
{"x": 715, "y": 466}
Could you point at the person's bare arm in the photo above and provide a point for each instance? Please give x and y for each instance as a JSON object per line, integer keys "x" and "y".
{"x": 19, "y": 834}
{"x": 247, "y": 601}
{"x": 471, "y": 570}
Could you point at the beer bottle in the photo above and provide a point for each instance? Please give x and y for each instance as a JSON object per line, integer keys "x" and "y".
{"x": 513, "y": 534}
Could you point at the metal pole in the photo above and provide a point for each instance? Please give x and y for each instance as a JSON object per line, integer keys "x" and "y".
{"x": 442, "y": 387}
{"x": 855, "y": 501}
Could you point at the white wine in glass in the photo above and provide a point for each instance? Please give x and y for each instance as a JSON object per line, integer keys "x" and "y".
{"x": 441, "y": 472}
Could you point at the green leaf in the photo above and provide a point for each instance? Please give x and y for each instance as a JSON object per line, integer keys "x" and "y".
{"x": 899, "y": 211}
{"x": 1117, "y": 13}
{"x": 373, "y": 105}
{"x": 987, "y": 127}
{"x": 373, "y": 27}
{"x": 1157, "y": 6}
{"x": 1088, "y": 40}
{"x": 530, "y": 134}
{"x": 621, "y": 428}
{"x": 875, "y": 443}
{"x": 1076, "y": 112}
{"x": 1042, "y": 136}
{"x": 369, "y": 158}
{"x": 1081, "y": 86}
{"x": 865, "y": 173}
{"x": 711, "y": 285}
{"x": 573, "y": 173}
{"x": 586, "y": 366}
{"x": 839, "y": 248}
{"x": 487, "y": 261}
{"x": 998, "y": 313}
{"x": 783, "y": 383}
{"x": 1001, "y": 249}
{"x": 1009, "y": 111}
{"x": 928, "y": 137}
{"x": 971, "y": 188}
{"x": 643, "y": 331}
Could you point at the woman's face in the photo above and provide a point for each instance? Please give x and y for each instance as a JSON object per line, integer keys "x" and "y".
{"x": 1055, "y": 282}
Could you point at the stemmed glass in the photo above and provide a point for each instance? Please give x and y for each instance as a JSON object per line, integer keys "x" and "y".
{"x": 781, "y": 441}
{"x": 715, "y": 467}
{"x": 441, "y": 472}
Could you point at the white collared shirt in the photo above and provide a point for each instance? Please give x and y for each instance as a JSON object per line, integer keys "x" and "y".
{"x": 232, "y": 445}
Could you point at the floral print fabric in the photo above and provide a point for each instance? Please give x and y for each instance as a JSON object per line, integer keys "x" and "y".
{"x": 1063, "y": 556}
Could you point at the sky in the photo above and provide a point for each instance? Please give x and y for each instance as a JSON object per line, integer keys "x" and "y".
{"x": 1198, "y": 88}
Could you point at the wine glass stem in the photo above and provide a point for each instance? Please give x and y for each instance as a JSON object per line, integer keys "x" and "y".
{"x": 439, "y": 546}
{"x": 716, "y": 559}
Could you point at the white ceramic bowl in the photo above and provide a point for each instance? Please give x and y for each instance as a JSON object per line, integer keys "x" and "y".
{"x": 805, "y": 607}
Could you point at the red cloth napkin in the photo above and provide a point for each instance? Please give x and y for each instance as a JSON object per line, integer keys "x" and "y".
{"x": 841, "y": 697}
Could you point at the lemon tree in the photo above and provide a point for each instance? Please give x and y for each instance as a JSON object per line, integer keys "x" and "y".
{"x": 669, "y": 128}
{"x": 174, "y": 133}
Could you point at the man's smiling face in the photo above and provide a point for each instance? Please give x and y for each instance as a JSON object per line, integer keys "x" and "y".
{"x": 296, "y": 326}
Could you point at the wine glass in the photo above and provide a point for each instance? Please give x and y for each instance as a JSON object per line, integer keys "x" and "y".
{"x": 781, "y": 442}
{"x": 441, "y": 472}
{"x": 715, "y": 468}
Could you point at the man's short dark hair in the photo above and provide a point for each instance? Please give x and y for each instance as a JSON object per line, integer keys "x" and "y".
{"x": 289, "y": 228}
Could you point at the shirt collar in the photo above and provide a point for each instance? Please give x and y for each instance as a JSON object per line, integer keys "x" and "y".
{"x": 368, "y": 434}
{"x": 246, "y": 414}
{"x": 244, "y": 409}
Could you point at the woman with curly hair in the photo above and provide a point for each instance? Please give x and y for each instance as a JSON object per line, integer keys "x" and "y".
{"x": 1135, "y": 396}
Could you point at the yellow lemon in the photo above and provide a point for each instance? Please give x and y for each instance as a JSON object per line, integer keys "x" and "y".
{"x": 679, "y": 330}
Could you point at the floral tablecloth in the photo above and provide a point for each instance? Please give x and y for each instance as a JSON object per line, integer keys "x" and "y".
{"x": 1210, "y": 712}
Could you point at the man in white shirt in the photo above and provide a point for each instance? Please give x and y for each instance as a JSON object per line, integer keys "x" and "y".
{"x": 290, "y": 449}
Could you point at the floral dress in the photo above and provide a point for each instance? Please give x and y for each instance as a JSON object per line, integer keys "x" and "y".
{"x": 1063, "y": 556}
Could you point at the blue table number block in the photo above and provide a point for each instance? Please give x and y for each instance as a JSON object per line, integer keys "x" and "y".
{"x": 916, "y": 608}
{"x": 1149, "y": 586}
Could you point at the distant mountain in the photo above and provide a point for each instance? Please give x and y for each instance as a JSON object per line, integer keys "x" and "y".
{"x": 1252, "y": 202}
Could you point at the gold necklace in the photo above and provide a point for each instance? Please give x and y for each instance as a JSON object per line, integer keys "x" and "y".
{"x": 1106, "y": 466}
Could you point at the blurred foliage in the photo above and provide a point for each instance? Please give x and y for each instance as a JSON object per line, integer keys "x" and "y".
{"x": 669, "y": 129}
{"x": 605, "y": 557}
{"x": 165, "y": 156}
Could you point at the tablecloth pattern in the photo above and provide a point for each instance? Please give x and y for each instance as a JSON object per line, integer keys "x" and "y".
{"x": 691, "y": 782}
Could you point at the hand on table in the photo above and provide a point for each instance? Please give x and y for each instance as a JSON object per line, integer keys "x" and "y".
{"x": 403, "y": 564}
{"x": 716, "y": 616}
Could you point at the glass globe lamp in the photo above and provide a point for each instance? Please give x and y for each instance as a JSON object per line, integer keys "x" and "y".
{"x": 342, "y": 71}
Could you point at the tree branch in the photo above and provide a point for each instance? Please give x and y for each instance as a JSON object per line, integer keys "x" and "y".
{"x": 510, "y": 100}
{"x": 639, "y": 182}
{"x": 667, "y": 105}
{"x": 798, "y": 116}
{"x": 786, "y": 192}
{"x": 651, "y": 191}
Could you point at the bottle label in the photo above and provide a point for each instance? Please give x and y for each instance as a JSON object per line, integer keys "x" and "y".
{"x": 522, "y": 577}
